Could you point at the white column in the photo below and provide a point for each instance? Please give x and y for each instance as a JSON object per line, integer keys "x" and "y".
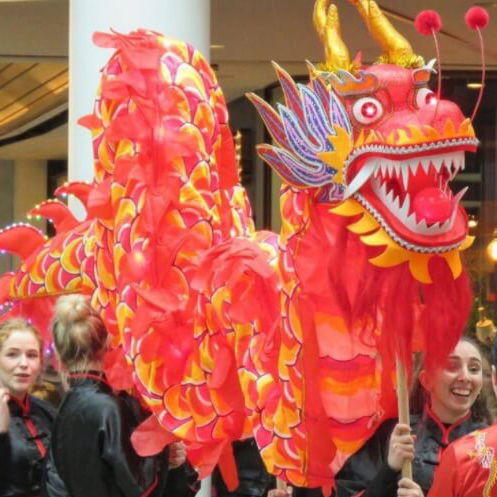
{"x": 187, "y": 20}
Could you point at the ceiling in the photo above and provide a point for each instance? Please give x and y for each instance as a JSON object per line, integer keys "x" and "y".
{"x": 34, "y": 48}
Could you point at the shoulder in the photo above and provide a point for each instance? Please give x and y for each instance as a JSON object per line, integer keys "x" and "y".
{"x": 93, "y": 403}
{"x": 42, "y": 406}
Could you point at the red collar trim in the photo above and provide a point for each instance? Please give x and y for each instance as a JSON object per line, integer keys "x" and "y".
{"x": 100, "y": 377}
{"x": 445, "y": 429}
{"x": 24, "y": 405}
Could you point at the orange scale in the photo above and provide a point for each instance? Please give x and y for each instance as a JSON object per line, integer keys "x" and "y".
{"x": 105, "y": 157}
{"x": 182, "y": 107}
{"x": 179, "y": 48}
{"x": 185, "y": 431}
{"x": 126, "y": 211}
{"x": 148, "y": 375}
{"x": 75, "y": 285}
{"x": 193, "y": 135}
{"x": 175, "y": 403}
{"x": 36, "y": 269}
{"x": 69, "y": 258}
{"x": 189, "y": 78}
{"x": 124, "y": 314}
{"x": 204, "y": 120}
{"x": 125, "y": 147}
{"x": 51, "y": 279}
{"x": 220, "y": 430}
{"x": 201, "y": 418}
{"x": 350, "y": 387}
{"x": 105, "y": 270}
{"x": 190, "y": 195}
{"x": 174, "y": 218}
{"x": 200, "y": 176}
{"x": 220, "y": 403}
{"x": 265, "y": 387}
{"x": 203, "y": 67}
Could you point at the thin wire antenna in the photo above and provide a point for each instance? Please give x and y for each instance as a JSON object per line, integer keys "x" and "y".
{"x": 477, "y": 19}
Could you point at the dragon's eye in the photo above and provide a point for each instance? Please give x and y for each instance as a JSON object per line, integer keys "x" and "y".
{"x": 367, "y": 110}
{"x": 424, "y": 96}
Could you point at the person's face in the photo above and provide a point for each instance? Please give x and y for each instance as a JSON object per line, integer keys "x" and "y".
{"x": 20, "y": 362}
{"x": 454, "y": 387}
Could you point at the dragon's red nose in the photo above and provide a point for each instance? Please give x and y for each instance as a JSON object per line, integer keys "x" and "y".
{"x": 437, "y": 116}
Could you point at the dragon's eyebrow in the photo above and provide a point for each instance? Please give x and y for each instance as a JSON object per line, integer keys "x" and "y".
{"x": 346, "y": 84}
{"x": 422, "y": 75}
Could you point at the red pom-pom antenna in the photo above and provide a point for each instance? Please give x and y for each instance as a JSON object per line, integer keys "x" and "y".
{"x": 477, "y": 19}
{"x": 428, "y": 22}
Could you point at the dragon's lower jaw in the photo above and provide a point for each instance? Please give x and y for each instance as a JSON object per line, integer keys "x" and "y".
{"x": 409, "y": 196}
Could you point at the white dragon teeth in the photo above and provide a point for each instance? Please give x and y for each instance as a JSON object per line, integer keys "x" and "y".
{"x": 405, "y": 175}
{"x": 392, "y": 202}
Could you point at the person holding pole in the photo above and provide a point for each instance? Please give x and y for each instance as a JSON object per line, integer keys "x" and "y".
{"x": 468, "y": 468}
{"x": 450, "y": 411}
{"x": 450, "y": 407}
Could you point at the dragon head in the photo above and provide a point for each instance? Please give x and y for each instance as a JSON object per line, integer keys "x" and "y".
{"x": 376, "y": 142}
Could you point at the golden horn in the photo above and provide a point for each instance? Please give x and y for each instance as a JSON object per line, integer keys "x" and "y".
{"x": 327, "y": 24}
{"x": 396, "y": 49}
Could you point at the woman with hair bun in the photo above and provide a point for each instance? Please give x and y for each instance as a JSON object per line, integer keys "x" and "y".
{"x": 25, "y": 421}
{"x": 91, "y": 452}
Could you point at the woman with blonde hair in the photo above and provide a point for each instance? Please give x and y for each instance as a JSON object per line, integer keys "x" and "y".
{"x": 25, "y": 421}
{"x": 91, "y": 452}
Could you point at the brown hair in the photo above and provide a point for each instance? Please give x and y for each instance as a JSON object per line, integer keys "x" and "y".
{"x": 18, "y": 324}
{"x": 78, "y": 331}
{"x": 419, "y": 397}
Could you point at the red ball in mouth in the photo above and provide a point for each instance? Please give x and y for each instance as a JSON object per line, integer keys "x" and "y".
{"x": 433, "y": 205}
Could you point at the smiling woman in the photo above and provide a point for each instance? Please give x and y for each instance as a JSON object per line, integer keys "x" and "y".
{"x": 25, "y": 422}
{"x": 448, "y": 395}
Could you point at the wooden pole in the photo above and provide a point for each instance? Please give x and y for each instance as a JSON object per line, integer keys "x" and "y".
{"x": 403, "y": 405}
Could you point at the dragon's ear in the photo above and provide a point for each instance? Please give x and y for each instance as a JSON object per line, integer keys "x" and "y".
{"x": 311, "y": 133}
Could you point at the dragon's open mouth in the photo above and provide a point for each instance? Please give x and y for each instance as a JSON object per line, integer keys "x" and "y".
{"x": 407, "y": 190}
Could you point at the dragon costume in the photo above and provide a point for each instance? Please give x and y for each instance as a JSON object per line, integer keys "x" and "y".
{"x": 226, "y": 332}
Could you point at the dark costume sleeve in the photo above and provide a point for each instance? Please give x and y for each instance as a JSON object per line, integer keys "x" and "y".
{"x": 254, "y": 480}
{"x": 5, "y": 457}
{"x": 133, "y": 474}
{"x": 367, "y": 473}
{"x": 182, "y": 482}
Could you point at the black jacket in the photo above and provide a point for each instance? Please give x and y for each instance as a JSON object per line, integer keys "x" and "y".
{"x": 23, "y": 447}
{"x": 91, "y": 452}
{"x": 254, "y": 480}
{"x": 368, "y": 469}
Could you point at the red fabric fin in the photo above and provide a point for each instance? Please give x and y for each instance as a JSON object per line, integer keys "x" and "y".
{"x": 228, "y": 165}
{"x": 205, "y": 457}
{"x": 80, "y": 189}
{"x": 5, "y": 281}
{"x": 150, "y": 438}
{"x": 90, "y": 121}
{"x": 57, "y": 212}
{"x": 227, "y": 467}
{"x": 21, "y": 239}
{"x": 117, "y": 369}
{"x": 105, "y": 40}
{"x": 99, "y": 200}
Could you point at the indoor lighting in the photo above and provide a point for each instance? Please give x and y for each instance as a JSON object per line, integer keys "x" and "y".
{"x": 472, "y": 222}
{"x": 473, "y": 86}
{"x": 492, "y": 247}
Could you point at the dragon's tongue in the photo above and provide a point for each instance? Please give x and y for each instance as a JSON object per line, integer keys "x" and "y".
{"x": 432, "y": 205}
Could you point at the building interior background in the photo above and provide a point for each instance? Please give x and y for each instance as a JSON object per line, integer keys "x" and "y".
{"x": 245, "y": 37}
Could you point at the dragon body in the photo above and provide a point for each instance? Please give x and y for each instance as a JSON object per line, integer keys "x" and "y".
{"x": 226, "y": 332}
